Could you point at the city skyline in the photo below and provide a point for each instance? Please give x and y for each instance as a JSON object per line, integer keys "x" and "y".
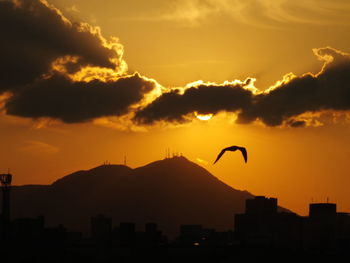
{"x": 260, "y": 229}
{"x": 82, "y": 83}
{"x": 118, "y": 228}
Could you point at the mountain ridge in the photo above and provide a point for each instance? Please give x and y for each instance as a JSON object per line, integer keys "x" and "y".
{"x": 169, "y": 192}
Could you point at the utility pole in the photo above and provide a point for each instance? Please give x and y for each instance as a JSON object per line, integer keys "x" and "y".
{"x": 5, "y": 180}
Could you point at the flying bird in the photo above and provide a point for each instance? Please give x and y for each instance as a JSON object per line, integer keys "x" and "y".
{"x": 232, "y": 149}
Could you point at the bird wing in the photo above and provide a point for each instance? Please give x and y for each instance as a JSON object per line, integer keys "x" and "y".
{"x": 244, "y": 152}
{"x": 220, "y": 154}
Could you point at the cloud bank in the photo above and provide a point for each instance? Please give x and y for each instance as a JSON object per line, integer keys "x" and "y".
{"x": 54, "y": 68}
{"x": 71, "y": 101}
{"x": 174, "y": 106}
{"x": 290, "y": 97}
{"x": 35, "y": 34}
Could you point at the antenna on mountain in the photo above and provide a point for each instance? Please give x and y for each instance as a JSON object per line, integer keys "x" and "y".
{"x": 125, "y": 160}
{"x": 327, "y": 199}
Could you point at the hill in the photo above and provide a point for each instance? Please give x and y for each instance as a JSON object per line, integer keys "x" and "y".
{"x": 169, "y": 192}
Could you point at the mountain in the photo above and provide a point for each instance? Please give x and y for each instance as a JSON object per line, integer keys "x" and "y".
{"x": 169, "y": 192}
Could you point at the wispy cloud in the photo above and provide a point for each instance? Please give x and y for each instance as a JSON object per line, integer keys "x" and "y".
{"x": 259, "y": 13}
{"x": 38, "y": 147}
{"x": 201, "y": 161}
{"x": 73, "y": 9}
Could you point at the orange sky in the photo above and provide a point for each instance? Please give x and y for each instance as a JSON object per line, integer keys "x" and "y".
{"x": 177, "y": 42}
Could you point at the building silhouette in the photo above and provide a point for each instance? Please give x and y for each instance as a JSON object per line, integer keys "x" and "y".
{"x": 191, "y": 234}
{"x": 262, "y": 228}
{"x": 5, "y": 180}
{"x": 101, "y": 228}
{"x": 261, "y": 205}
{"x": 326, "y": 228}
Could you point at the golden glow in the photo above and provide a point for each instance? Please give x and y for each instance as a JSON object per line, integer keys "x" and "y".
{"x": 199, "y": 141}
{"x": 203, "y": 117}
{"x": 53, "y": 8}
{"x": 329, "y": 58}
{"x": 121, "y": 123}
{"x": 247, "y": 84}
{"x": 38, "y": 147}
{"x": 88, "y": 74}
{"x": 201, "y": 161}
{"x": 286, "y": 79}
{"x": 3, "y": 98}
{"x": 59, "y": 64}
{"x": 322, "y": 118}
{"x": 175, "y": 56}
{"x": 150, "y": 96}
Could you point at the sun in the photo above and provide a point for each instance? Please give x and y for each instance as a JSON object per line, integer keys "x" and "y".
{"x": 203, "y": 117}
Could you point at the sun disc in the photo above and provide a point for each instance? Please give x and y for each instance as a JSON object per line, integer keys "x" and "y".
{"x": 204, "y": 117}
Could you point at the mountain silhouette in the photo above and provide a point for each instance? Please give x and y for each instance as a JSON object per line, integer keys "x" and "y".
{"x": 169, "y": 192}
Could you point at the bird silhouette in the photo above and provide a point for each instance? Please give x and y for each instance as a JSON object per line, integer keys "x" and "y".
{"x": 232, "y": 149}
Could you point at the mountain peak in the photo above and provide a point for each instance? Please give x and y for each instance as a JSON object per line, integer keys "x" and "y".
{"x": 170, "y": 192}
{"x": 109, "y": 168}
{"x": 178, "y": 166}
{"x": 100, "y": 172}
{"x": 175, "y": 160}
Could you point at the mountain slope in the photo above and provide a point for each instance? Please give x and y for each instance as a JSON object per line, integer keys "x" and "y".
{"x": 169, "y": 192}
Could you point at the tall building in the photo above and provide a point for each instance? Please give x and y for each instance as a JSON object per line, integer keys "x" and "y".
{"x": 191, "y": 234}
{"x": 320, "y": 227}
{"x": 126, "y": 233}
{"x": 323, "y": 211}
{"x": 101, "y": 227}
{"x": 261, "y": 205}
{"x": 262, "y": 226}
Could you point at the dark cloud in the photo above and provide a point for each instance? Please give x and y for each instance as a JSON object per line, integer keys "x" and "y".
{"x": 203, "y": 99}
{"x": 328, "y": 90}
{"x": 61, "y": 98}
{"x": 41, "y": 52}
{"x": 295, "y": 124}
{"x": 291, "y": 99}
{"x": 34, "y": 34}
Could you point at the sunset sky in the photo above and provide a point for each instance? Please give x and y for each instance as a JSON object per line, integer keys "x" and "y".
{"x": 88, "y": 81}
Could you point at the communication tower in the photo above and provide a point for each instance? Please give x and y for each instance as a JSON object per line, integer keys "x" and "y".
{"x": 6, "y": 180}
